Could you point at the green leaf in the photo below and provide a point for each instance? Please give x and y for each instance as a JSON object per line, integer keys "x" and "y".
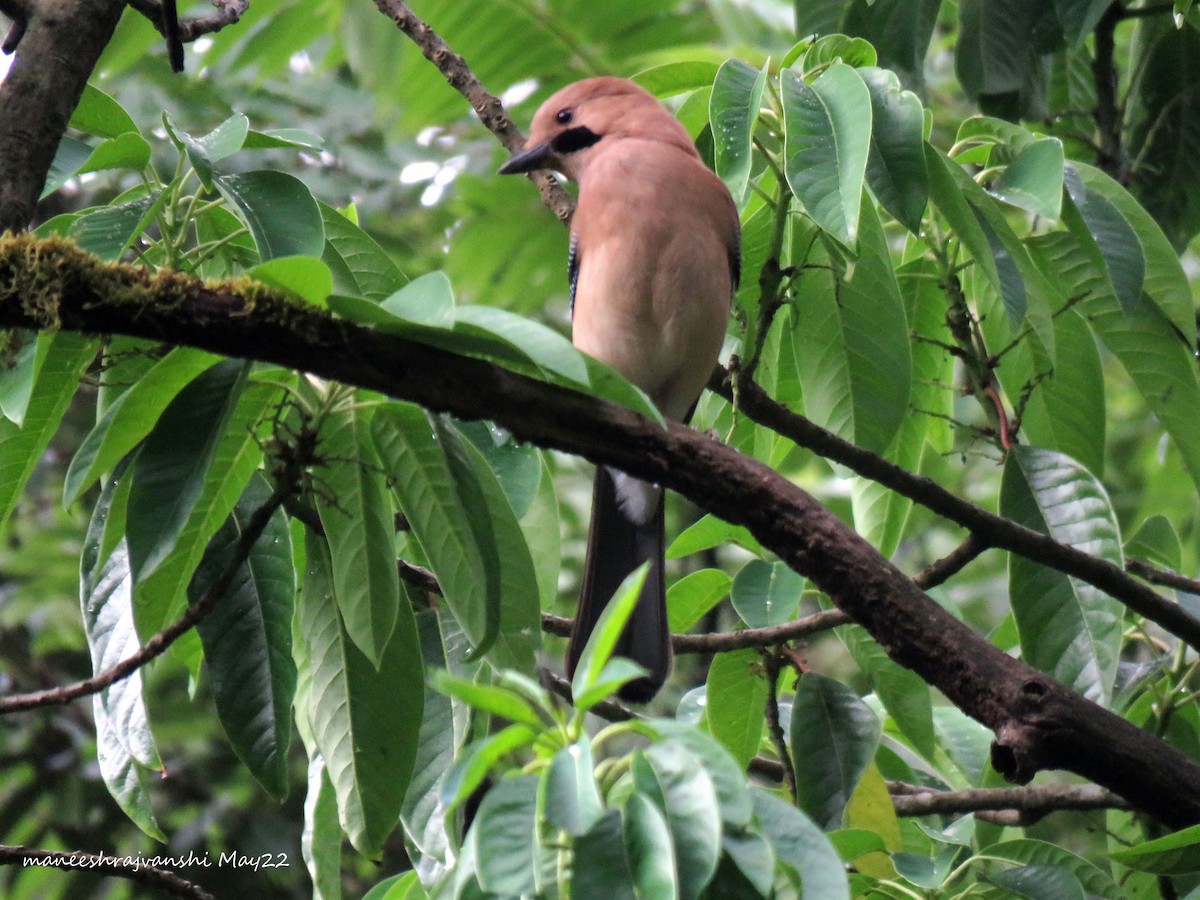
{"x": 833, "y": 738}
{"x": 307, "y": 278}
{"x": 108, "y": 232}
{"x": 17, "y": 376}
{"x": 896, "y": 171}
{"x": 279, "y": 210}
{"x": 829, "y": 48}
{"x": 766, "y": 594}
{"x": 1033, "y": 181}
{"x": 570, "y": 800}
{"x": 498, "y": 700}
{"x": 752, "y": 857}
{"x": 649, "y": 849}
{"x": 1172, "y": 854}
{"x": 737, "y": 695}
{"x": 508, "y": 562}
{"x": 903, "y": 693}
{"x": 728, "y": 779}
{"x": 428, "y": 301}
{"x": 321, "y": 839}
{"x": 282, "y": 138}
{"x": 711, "y": 532}
{"x": 685, "y": 794}
{"x": 356, "y": 511}
{"x": 1166, "y": 283}
{"x": 247, "y": 639}
{"x": 1110, "y": 242}
{"x": 800, "y": 845}
{"x": 365, "y": 718}
{"x": 169, "y": 473}
{"x": 124, "y": 744}
{"x": 66, "y": 356}
{"x": 693, "y": 595}
{"x": 601, "y": 867}
{"x": 677, "y": 77}
{"x": 99, "y": 114}
{"x": 160, "y": 598}
{"x": 504, "y": 837}
{"x": 131, "y": 417}
{"x": 588, "y": 687}
{"x": 129, "y": 151}
{"x": 68, "y": 157}
{"x": 851, "y": 343}
{"x": 733, "y": 110}
{"x": 828, "y": 139}
{"x": 422, "y": 814}
{"x": 1039, "y": 883}
{"x": 359, "y": 265}
{"x": 1031, "y": 852}
{"x": 476, "y": 762}
{"x": 1068, "y": 629}
{"x": 1156, "y": 541}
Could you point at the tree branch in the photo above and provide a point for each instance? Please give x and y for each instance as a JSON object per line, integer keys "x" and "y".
{"x": 988, "y": 527}
{"x": 1039, "y": 724}
{"x": 57, "y": 53}
{"x": 1026, "y": 805}
{"x": 129, "y": 868}
{"x": 228, "y": 13}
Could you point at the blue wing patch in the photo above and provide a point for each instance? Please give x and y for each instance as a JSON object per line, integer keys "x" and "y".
{"x": 573, "y": 268}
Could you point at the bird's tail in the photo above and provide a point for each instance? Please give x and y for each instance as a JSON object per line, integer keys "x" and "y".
{"x": 618, "y": 542}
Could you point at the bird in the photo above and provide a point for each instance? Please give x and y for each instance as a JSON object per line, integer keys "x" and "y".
{"x": 653, "y": 263}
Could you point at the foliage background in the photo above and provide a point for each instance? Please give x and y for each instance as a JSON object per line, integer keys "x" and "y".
{"x": 398, "y": 144}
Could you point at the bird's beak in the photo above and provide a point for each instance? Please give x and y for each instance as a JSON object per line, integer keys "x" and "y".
{"x": 527, "y": 159}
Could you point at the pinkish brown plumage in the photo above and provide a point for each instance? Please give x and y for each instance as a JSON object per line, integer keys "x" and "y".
{"x": 654, "y": 262}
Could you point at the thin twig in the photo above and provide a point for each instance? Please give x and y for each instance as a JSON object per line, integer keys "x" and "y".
{"x": 228, "y": 12}
{"x": 1165, "y": 577}
{"x": 486, "y": 105}
{"x": 158, "y": 643}
{"x": 991, "y": 528}
{"x": 131, "y": 868}
{"x": 771, "y": 663}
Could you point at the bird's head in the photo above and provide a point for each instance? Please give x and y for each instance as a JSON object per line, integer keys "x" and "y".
{"x": 578, "y": 121}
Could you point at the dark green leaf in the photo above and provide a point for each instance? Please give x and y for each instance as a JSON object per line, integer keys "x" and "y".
{"x": 504, "y": 837}
{"x": 896, "y": 171}
{"x": 70, "y": 155}
{"x": 169, "y": 473}
{"x": 711, "y": 532}
{"x": 359, "y": 265}
{"x": 737, "y": 694}
{"x": 108, "y": 232}
{"x": 1156, "y": 541}
{"x": 601, "y": 869}
{"x": 1172, "y": 854}
{"x": 801, "y": 846}
{"x": 827, "y": 144}
{"x": 66, "y": 356}
{"x": 356, "y": 511}
{"x": 124, "y": 744}
{"x": 589, "y": 685}
{"x": 570, "y": 799}
{"x": 365, "y": 719}
{"x": 1042, "y": 882}
{"x": 733, "y": 111}
{"x": 321, "y": 839}
{"x": 766, "y": 594}
{"x": 247, "y": 639}
{"x": 728, "y": 779}
{"x": 127, "y": 151}
{"x": 833, "y": 738}
{"x": 131, "y": 416}
{"x": 1031, "y": 852}
{"x": 649, "y": 849}
{"x": 689, "y": 803}
{"x": 279, "y": 210}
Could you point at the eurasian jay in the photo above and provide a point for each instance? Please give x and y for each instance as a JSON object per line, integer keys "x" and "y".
{"x": 653, "y": 264}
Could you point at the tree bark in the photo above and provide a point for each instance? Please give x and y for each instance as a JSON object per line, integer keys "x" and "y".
{"x": 1039, "y": 724}
{"x": 62, "y": 42}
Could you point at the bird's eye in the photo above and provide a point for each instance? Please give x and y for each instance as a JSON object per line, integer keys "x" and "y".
{"x": 564, "y": 116}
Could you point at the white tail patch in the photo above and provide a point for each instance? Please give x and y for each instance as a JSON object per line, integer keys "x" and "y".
{"x": 638, "y": 499}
